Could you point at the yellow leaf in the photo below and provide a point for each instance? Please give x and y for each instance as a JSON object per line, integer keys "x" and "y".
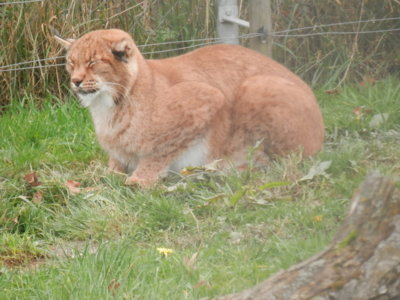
{"x": 318, "y": 218}
{"x": 165, "y": 251}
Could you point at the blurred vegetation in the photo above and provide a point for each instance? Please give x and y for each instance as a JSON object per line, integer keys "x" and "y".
{"x": 326, "y": 59}
{"x": 334, "y": 59}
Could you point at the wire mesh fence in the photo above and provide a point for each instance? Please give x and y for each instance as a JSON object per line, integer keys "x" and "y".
{"x": 323, "y": 43}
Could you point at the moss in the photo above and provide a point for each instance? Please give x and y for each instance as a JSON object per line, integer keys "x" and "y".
{"x": 347, "y": 240}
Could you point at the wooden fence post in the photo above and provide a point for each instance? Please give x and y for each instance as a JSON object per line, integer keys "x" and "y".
{"x": 260, "y": 21}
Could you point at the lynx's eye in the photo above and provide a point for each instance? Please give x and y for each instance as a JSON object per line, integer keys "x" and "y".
{"x": 120, "y": 55}
{"x": 70, "y": 65}
{"x": 93, "y": 62}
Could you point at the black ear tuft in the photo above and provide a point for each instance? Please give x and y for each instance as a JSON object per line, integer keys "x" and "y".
{"x": 120, "y": 55}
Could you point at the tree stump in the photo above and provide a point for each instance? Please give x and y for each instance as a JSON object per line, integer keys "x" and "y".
{"x": 362, "y": 262}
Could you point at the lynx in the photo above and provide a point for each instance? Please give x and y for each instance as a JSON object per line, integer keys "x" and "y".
{"x": 216, "y": 102}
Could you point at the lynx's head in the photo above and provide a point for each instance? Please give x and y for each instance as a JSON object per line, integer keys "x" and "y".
{"x": 101, "y": 63}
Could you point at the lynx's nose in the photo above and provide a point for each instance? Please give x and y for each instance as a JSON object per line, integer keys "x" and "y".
{"x": 76, "y": 81}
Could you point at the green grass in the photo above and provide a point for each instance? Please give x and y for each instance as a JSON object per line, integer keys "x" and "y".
{"x": 226, "y": 232}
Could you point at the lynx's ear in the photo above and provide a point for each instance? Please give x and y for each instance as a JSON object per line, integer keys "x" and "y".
{"x": 66, "y": 43}
{"x": 122, "y": 50}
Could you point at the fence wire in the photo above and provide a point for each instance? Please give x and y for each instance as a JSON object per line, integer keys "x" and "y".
{"x": 338, "y": 24}
{"x": 19, "y": 2}
{"x": 335, "y": 33}
{"x": 209, "y": 41}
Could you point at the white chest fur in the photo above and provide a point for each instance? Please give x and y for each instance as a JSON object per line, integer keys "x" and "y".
{"x": 195, "y": 155}
{"x": 101, "y": 108}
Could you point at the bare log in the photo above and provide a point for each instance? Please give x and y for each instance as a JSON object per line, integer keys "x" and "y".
{"x": 362, "y": 262}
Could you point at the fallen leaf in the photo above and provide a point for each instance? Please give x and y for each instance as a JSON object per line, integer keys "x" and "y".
{"x": 211, "y": 167}
{"x": 190, "y": 263}
{"x": 202, "y": 283}
{"x": 113, "y": 285}
{"x": 285, "y": 12}
{"x": 90, "y": 189}
{"x": 317, "y": 170}
{"x": 367, "y": 110}
{"x": 214, "y": 199}
{"x": 235, "y": 237}
{"x": 187, "y": 171}
{"x": 318, "y": 218}
{"x": 32, "y": 179}
{"x": 360, "y": 111}
{"x": 23, "y": 198}
{"x": 37, "y": 197}
{"x": 73, "y": 186}
{"x": 368, "y": 81}
{"x": 261, "y": 202}
{"x": 357, "y": 112}
{"x": 332, "y": 92}
{"x": 175, "y": 187}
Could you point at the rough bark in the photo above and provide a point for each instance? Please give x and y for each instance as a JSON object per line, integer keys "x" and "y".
{"x": 362, "y": 262}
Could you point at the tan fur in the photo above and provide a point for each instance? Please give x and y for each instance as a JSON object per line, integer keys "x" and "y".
{"x": 215, "y": 102}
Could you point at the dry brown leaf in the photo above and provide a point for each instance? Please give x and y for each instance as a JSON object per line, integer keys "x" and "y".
{"x": 202, "y": 283}
{"x": 285, "y": 12}
{"x": 32, "y": 179}
{"x": 190, "y": 263}
{"x": 37, "y": 197}
{"x": 368, "y": 81}
{"x": 187, "y": 171}
{"x": 357, "y": 111}
{"x": 360, "y": 111}
{"x": 332, "y": 92}
{"x": 90, "y": 189}
{"x": 73, "y": 186}
{"x": 113, "y": 285}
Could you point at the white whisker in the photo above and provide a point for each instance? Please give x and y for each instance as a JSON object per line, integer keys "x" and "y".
{"x": 116, "y": 84}
{"x": 107, "y": 86}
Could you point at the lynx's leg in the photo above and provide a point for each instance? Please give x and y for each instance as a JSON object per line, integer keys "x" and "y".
{"x": 115, "y": 166}
{"x": 182, "y": 116}
{"x": 281, "y": 114}
{"x": 149, "y": 170}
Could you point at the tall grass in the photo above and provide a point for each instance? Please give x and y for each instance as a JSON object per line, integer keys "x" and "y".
{"x": 333, "y": 59}
{"x": 329, "y": 59}
{"x": 25, "y": 35}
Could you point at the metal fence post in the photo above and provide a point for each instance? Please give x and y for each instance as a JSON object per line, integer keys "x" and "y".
{"x": 228, "y": 22}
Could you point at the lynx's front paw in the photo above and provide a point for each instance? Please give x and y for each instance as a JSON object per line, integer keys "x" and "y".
{"x": 140, "y": 182}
